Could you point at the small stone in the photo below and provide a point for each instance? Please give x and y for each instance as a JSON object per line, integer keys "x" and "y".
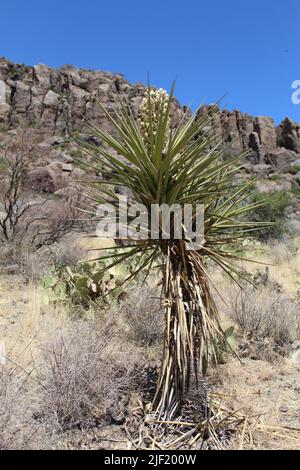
{"x": 67, "y": 167}
{"x": 64, "y": 157}
{"x": 4, "y": 108}
{"x": 296, "y": 345}
{"x": 284, "y": 409}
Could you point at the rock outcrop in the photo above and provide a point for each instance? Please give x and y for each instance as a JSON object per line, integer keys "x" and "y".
{"x": 56, "y": 100}
{"x": 265, "y": 142}
{"x": 53, "y": 102}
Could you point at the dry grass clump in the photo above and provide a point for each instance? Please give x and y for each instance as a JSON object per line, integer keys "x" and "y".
{"x": 82, "y": 379}
{"x": 283, "y": 258}
{"x": 143, "y": 316}
{"x": 271, "y": 319}
{"x": 283, "y": 252}
{"x": 19, "y": 257}
{"x": 18, "y": 429}
{"x": 67, "y": 373}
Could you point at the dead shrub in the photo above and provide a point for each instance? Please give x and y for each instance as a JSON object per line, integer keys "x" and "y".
{"x": 282, "y": 252}
{"x": 25, "y": 215}
{"x": 82, "y": 379}
{"x": 17, "y": 427}
{"x": 270, "y": 318}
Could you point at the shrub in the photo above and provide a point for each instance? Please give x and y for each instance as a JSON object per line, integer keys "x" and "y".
{"x": 273, "y": 210}
{"x": 80, "y": 285}
{"x": 296, "y": 190}
{"x": 294, "y": 169}
{"x": 17, "y": 427}
{"x": 3, "y": 165}
{"x": 81, "y": 377}
{"x": 267, "y": 316}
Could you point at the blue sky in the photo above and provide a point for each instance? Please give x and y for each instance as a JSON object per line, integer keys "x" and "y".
{"x": 247, "y": 49}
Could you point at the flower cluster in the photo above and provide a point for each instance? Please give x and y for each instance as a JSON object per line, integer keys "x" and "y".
{"x": 153, "y": 107}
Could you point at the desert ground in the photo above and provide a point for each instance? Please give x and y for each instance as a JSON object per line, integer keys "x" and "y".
{"x": 79, "y": 378}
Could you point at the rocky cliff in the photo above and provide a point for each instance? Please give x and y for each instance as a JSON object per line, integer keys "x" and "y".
{"x": 52, "y": 103}
{"x": 55, "y": 100}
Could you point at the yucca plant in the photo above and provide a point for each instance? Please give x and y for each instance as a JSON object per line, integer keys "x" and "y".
{"x": 182, "y": 165}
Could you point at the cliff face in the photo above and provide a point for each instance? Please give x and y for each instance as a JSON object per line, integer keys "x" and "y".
{"x": 54, "y": 100}
{"x": 50, "y": 104}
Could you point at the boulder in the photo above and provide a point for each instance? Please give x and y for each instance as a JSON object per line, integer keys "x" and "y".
{"x": 68, "y": 167}
{"x": 55, "y": 140}
{"x": 64, "y": 157}
{"x": 265, "y": 128}
{"x": 254, "y": 144}
{"x": 78, "y": 173}
{"x": 21, "y": 97}
{"x": 4, "y": 109}
{"x": 46, "y": 179}
{"x": 262, "y": 169}
{"x": 281, "y": 159}
{"x": 247, "y": 167}
{"x": 289, "y": 135}
{"x": 2, "y": 92}
{"x": 42, "y": 75}
{"x": 294, "y": 226}
{"x": 297, "y": 177}
{"x": 231, "y": 131}
{"x": 51, "y": 99}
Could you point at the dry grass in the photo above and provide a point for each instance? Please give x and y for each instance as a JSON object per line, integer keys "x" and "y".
{"x": 61, "y": 373}
{"x": 82, "y": 380}
{"x": 271, "y": 319}
{"x": 65, "y": 374}
{"x": 267, "y": 316}
{"x": 17, "y": 427}
{"x": 283, "y": 259}
{"x": 143, "y": 316}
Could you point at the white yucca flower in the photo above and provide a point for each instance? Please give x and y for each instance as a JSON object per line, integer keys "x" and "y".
{"x": 153, "y": 104}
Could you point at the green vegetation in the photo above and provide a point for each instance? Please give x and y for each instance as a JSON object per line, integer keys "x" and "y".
{"x": 277, "y": 178}
{"x": 296, "y": 190}
{"x": 76, "y": 153}
{"x": 273, "y": 208}
{"x": 3, "y": 165}
{"x": 294, "y": 169}
{"x": 87, "y": 282}
{"x": 80, "y": 285}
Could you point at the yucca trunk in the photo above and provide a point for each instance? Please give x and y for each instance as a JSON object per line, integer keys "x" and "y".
{"x": 191, "y": 324}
